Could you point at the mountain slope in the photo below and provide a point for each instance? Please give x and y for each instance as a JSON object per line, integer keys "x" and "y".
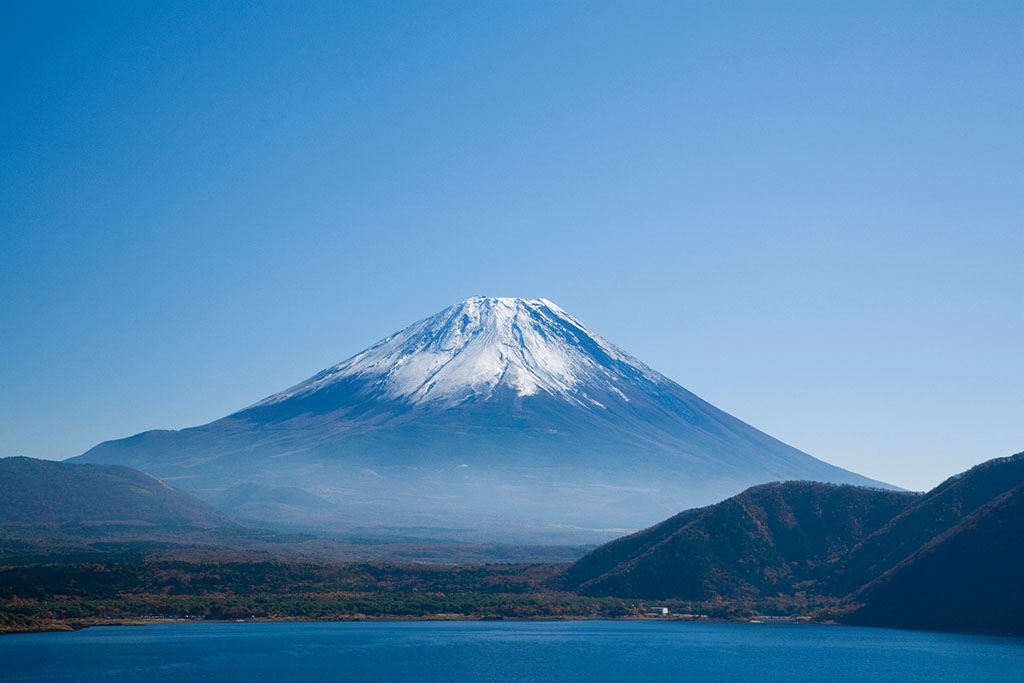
{"x": 970, "y": 578}
{"x": 950, "y": 559}
{"x": 968, "y": 575}
{"x": 496, "y": 416}
{"x": 759, "y": 543}
{"x": 65, "y": 495}
{"x": 935, "y": 513}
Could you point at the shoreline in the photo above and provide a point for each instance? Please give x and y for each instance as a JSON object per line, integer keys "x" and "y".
{"x": 66, "y": 625}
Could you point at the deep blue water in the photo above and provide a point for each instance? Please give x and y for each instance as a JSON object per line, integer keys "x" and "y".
{"x": 508, "y": 651}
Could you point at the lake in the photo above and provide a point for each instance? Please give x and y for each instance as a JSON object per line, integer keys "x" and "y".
{"x": 508, "y": 651}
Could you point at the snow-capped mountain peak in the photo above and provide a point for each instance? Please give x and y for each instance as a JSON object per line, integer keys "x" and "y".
{"x": 500, "y": 418}
{"x": 484, "y": 346}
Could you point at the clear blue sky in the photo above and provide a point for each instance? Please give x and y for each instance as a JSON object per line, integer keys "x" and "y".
{"x": 810, "y": 214}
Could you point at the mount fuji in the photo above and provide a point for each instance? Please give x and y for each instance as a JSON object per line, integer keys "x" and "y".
{"x": 496, "y": 419}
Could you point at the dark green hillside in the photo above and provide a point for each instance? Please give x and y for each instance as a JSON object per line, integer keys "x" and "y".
{"x": 607, "y": 557}
{"x": 932, "y": 514}
{"x": 969, "y": 578}
{"x": 770, "y": 539}
{"x": 77, "y": 498}
{"x": 950, "y": 559}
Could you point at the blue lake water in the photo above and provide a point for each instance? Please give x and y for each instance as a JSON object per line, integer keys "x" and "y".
{"x": 508, "y": 651}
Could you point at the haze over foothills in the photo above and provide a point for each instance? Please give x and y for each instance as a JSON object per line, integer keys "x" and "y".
{"x": 495, "y": 419}
{"x": 809, "y": 216}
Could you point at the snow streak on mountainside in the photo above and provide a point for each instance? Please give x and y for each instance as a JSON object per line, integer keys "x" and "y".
{"x": 472, "y": 349}
{"x": 496, "y": 414}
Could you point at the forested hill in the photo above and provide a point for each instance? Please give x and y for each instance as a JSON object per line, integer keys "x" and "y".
{"x": 930, "y": 516}
{"x": 43, "y": 493}
{"x": 969, "y": 574}
{"x": 950, "y": 559}
{"x": 769, "y": 539}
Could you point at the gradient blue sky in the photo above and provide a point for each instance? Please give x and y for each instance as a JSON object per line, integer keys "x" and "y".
{"x": 810, "y": 214}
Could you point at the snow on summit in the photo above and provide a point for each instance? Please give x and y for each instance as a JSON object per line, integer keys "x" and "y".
{"x": 484, "y": 345}
{"x": 500, "y": 418}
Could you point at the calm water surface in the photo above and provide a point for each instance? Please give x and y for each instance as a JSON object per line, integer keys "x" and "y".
{"x": 508, "y": 651}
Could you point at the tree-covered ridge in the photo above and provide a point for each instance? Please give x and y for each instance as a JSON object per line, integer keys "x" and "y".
{"x": 967, "y": 578}
{"x": 69, "y": 495}
{"x": 930, "y": 516}
{"x": 949, "y": 559}
{"x": 770, "y": 539}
